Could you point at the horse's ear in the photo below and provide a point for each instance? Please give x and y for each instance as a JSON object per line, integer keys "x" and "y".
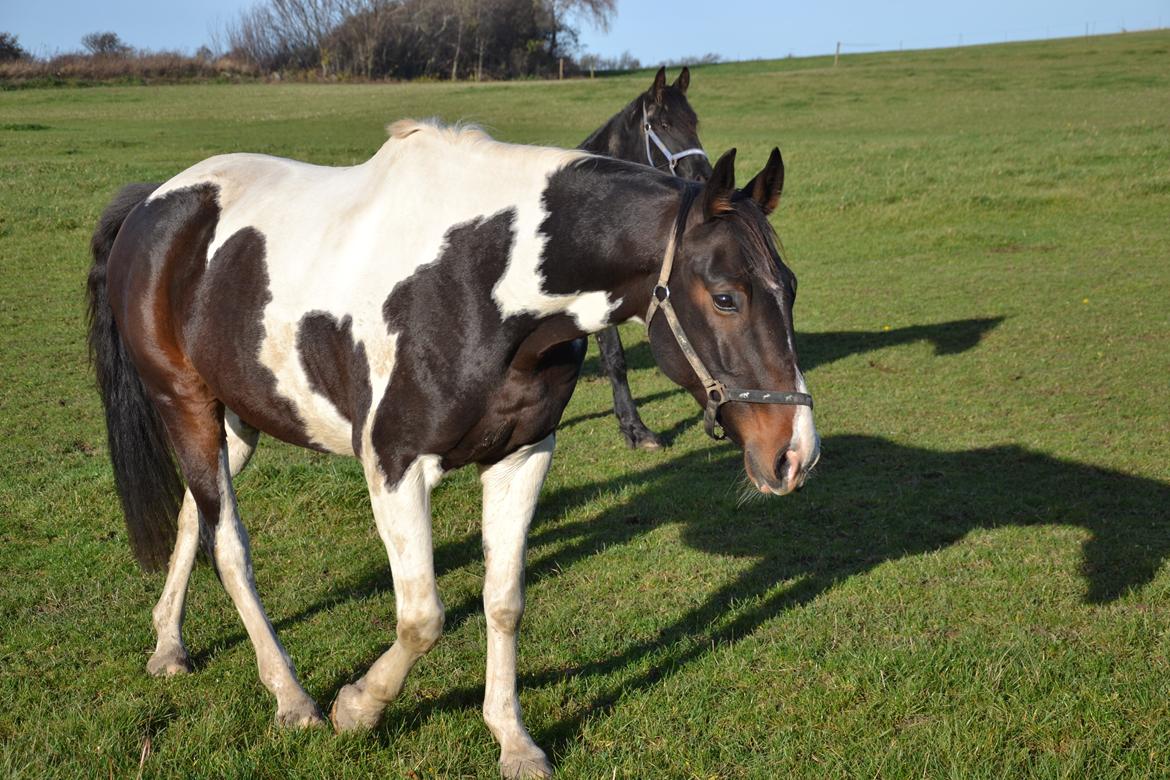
{"x": 765, "y": 188}
{"x": 684, "y": 80}
{"x": 720, "y": 187}
{"x": 658, "y": 88}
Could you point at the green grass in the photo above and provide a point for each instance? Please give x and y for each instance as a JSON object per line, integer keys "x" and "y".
{"x": 972, "y": 586}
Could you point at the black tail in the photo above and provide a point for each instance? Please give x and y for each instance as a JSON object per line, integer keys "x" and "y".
{"x": 144, "y": 466}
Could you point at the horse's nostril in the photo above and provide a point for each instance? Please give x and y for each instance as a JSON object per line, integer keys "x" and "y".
{"x": 788, "y": 468}
{"x": 783, "y": 464}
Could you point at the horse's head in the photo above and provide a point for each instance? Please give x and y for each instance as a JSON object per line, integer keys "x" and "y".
{"x": 667, "y": 117}
{"x": 725, "y": 330}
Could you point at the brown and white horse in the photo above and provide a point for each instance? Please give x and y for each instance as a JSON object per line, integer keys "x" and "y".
{"x": 421, "y": 311}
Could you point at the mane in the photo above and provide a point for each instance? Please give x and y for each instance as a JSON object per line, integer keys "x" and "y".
{"x": 472, "y": 137}
{"x": 615, "y": 165}
{"x": 617, "y": 120}
{"x": 455, "y": 133}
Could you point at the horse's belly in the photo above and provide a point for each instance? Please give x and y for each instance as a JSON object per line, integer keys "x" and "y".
{"x": 525, "y": 409}
{"x": 279, "y": 399}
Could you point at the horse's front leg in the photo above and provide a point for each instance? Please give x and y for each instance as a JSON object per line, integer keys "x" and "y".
{"x": 403, "y": 517}
{"x": 510, "y": 490}
{"x": 613, "y": 363}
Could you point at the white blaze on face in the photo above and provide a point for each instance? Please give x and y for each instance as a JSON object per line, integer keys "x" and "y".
{"x": 338, "y": 241}
{"x": 805, "y": 440}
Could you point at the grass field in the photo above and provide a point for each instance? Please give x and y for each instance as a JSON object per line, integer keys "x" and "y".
{"x": 972, "y": 586}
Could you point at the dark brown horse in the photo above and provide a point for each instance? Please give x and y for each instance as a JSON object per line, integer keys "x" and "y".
{"x": 659, "y": 128}
{"x": 421, "y": 312}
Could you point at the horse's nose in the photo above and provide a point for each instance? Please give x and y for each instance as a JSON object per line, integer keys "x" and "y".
{"x": 788, "y": 470}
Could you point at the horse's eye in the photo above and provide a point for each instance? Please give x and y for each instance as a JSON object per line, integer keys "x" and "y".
{"x": 724, "y": 302}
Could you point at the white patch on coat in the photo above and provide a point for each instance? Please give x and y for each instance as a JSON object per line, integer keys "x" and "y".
{"x": 339, "y": 240}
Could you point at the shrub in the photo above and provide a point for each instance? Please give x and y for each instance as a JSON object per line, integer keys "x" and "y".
{"x": 10, "y": 48}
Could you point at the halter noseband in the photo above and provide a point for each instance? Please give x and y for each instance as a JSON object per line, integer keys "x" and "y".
{"x": 672, "y": 158}
{"x": 717, "y": 393}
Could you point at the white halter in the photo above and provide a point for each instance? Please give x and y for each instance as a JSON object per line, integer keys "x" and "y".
{"x": 672, "y": 158}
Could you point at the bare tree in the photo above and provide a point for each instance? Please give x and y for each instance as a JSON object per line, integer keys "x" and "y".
{"x": 105, "y": 44}
{"x": 357, "y": 40}
{"x": 462, "y": 9}
{"x": 596, "y": 12}
{"x": 307, "y": 24}
{"x": 288, "y": 33}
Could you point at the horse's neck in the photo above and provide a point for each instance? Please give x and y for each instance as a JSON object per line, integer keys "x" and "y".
{"x": 618, "y": 137}
{"x": 608, "y": 226}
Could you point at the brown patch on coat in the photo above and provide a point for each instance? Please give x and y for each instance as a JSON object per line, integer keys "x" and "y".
{"x": 336, "y": 367}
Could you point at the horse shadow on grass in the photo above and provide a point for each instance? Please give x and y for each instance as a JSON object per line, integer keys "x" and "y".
{"x": 875, "y": 501}
{"x": 818, "y": 349}
{"x": 814, "y": 349}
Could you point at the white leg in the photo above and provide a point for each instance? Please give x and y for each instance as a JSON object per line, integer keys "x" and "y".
{"x": 234, "y": 561}
{"x": 170, "y": 654}
{"x": 403, "y": 517}
{"x": 510, "y": 491}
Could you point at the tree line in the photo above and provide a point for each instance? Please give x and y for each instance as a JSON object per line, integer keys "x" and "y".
{"x": 355, "y": 39}
{"x": 410, "y": 39}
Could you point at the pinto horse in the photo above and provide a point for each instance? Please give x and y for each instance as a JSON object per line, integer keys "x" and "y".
{"x": 658, "y": 128}
{"x": 421, "y": 311}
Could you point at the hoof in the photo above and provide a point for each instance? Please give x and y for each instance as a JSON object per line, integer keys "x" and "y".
{"x": 649, "y": 443}
{"x": 168, "y": 663}
{"x": 300, "y": 716}
{"x": 520, "y": 766}
{"x": 643, "y": 439}
{"x": 349, "y": 713}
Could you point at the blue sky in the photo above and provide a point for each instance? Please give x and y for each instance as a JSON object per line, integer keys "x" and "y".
{"x": 651, "y": 31}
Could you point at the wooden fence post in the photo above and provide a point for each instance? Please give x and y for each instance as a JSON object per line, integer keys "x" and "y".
{"x": 837, "y": 56}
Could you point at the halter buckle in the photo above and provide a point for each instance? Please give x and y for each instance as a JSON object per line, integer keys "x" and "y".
{"x": 711, "y": 423}
{"x": 716, "y": 397}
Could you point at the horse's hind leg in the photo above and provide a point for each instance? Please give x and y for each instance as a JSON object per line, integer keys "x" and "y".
{"x": 403, "y": 517}
{"x": 170, "y": 654}
{"x": 510, "y": 490}
{"x": 195, "y": 421}
{"x": 613, "y": 362}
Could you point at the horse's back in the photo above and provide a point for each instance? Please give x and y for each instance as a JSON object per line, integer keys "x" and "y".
{"x": 239, "y": 174}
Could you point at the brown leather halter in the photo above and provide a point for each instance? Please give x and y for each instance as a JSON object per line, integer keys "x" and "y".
{"x": 717, "y": 393}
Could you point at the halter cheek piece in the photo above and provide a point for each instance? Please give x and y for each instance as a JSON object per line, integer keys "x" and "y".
{"x": 672, "y": 158}
{"x": 716, "y": 392}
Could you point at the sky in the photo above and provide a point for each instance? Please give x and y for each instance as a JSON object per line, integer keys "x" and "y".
{"x": 651, "y": 31}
